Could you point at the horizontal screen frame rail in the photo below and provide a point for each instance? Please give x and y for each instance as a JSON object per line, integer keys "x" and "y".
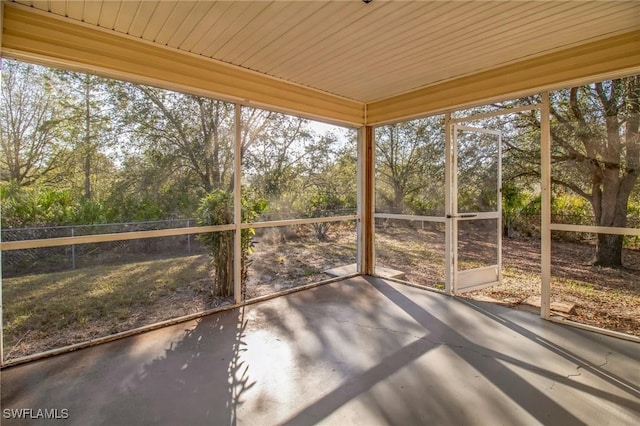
{"x": 414, "y": 218}
{"x": 613, "y": 230}
{"x": 124, "y": 236}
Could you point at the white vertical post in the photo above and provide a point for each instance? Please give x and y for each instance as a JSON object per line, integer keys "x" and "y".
{"x": 545, "y": 187}
{"x": 73, "y": 249}
{"x": 454, "y": 209}
{"x": 448, "y": 276}
{"x": 499, "y": 234}
{"x": 361, "y": 198}
{"x": 371, "y": 188}
{"x": 237, "y": 206}
{"x": 189, "y": 238}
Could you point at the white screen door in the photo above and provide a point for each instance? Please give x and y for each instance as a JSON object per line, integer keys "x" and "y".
{"x": 476, "y": 234}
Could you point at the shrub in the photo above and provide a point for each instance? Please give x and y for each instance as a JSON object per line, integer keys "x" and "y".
{"x": 216, "y": 208}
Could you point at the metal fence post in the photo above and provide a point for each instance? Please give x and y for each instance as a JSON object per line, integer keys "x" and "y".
{"x": 189, "y": 237}
{"x": 73, "y": 250}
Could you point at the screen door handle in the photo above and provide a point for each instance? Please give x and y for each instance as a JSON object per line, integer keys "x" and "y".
{"x": 466, "y": 215}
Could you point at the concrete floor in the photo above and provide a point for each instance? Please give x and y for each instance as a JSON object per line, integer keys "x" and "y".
{"x": 361, "y": 351}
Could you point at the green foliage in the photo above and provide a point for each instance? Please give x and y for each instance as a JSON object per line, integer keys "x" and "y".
{"x": 569, "y": 208}
{"x": 321, "y": 203}
{"x": 147, "y": 188}
{"x": 520, "y": 210}
{"x": 45, "y": 206}
{"x": 89, "y": 212}
{"x": 410, "y": 167}
{"x": 132, "y": 209}
{"x": 514, "y": 199}
{"x": 301, "y": 173}
{"x": 31, "y": 124}
{"x": 137, "y": 153}
{"x": 179, "y": 134}
{"x": 216, "y": 208}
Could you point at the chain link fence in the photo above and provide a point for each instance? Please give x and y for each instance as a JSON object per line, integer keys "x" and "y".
{"x": 52, "y": 259}
{"x": 527, "y": 225}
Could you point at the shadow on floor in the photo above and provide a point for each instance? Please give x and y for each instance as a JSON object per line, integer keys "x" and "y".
{"x": 359, "y": 351}
{"x": 581, "y": 363}
{"x": 496, "y": 367}
{"x": 182, "y": 384}
{"x": 198, "y": 378}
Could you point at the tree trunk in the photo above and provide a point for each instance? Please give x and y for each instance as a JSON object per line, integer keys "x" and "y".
{"x": 223, "y": 263}
{"x": 612, "y": 212}
{"x": 608, "y": 251}
{"x": 619, "y": 171}
{"x": 398, "y": 200}
{"x": 87, "y": 139}
{"x": 87, "y": 177}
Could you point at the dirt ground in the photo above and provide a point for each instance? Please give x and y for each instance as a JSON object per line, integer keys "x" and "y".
{"x": 604, "y": 297}
{"x": 46, "y": 311}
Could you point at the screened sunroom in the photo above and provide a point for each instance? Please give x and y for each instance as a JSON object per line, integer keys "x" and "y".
{"x": 286, "y": 212}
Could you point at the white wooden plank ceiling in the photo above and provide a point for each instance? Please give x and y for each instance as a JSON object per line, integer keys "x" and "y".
{"x": 364, "y": 52}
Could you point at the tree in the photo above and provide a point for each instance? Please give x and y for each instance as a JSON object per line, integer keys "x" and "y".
{"x": 148, "y": 187}
{"x": 88, "y": 124}
{"x": 216, "y": 208}
{"x": 301, "y": 172}
{"x": 477, "y": 171}
{"x": 183, "y": 131}
{"x": 410, "y": 163}
{"x": 30, "y": 123}
{"x": 275, "y": 158}
{"x": 602, "y": 143}
{"x": 596, "y": 152}
{"x": 329, "y": 180}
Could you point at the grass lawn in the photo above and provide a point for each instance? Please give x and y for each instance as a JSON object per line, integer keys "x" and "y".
{"x": 50, "y": 310}
{"x": 46, "y": 311}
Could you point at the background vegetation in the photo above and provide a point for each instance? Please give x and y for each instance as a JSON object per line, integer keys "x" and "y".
{"x": 82, "y": 154}
{"x": 80, "y": 149}
{"x": 595, "y": 164}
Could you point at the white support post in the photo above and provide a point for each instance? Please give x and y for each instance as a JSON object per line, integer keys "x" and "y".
{"x": 545, "y": 187}
{"x": 453, "y": 189}
{"x": 448, "y": 270}
{"x": 361, "y": 174}
{"x": 499, "y": 230}
{"x": 237, "y": 206}
{"x": 371, "y": 199}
